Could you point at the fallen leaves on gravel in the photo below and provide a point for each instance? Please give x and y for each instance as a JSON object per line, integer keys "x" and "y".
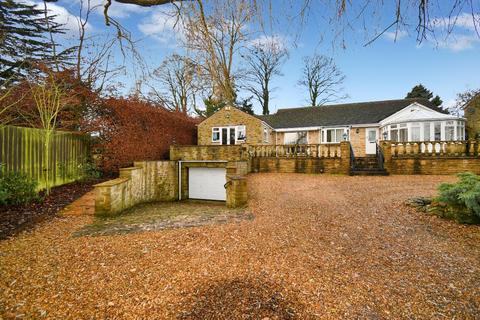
{"x": 320, "y": 246}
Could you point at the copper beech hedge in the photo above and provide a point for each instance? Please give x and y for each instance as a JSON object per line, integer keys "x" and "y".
{"x": 132, "y": 130}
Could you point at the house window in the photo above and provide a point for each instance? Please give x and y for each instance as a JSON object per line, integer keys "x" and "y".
{"x": 403, "y": 133}
{"x": 460, "y": 130}
{"x": 215, "y": 134}
{"x": 299, "y": 137}
{"x": 265, "y": 135}
{"x": 426, "y": 131}
{"x": 449, "y": 131}
{"x": 399, "y": 133}
{"x": 415, "y": 132}
{"x": 437, "y": 131}
{"x": 241, "y": 133}
{"x": 333, "y": 135}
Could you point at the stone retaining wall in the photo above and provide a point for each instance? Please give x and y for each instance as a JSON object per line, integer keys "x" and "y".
{"x": 145, "y": 182}
{"x": 151, "y": 181}
{"x": 228, "y": 153}
{"x": 434, "y": 164}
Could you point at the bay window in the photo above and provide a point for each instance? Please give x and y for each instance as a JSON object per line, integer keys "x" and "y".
{"x": 449, "y": 131}
{"x": 415, "y": 132}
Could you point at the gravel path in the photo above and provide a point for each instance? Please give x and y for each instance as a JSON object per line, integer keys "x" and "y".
{"x": 319, "y": 246}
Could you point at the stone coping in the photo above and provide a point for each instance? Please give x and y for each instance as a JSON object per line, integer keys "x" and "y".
{"x": 113, "y": 182}
{"x": 130, "y": 168}
{"x": 427, "y": 157}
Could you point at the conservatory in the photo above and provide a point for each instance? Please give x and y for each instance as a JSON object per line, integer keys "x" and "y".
{"x": 418, "y": 123}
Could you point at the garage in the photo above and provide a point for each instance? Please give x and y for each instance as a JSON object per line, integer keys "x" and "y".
{"x": 207, "y": 183}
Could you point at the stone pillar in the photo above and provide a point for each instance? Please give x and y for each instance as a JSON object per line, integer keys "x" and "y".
{"x": 345, "y": 156}
{"x": 386, "y": 146}
{"x": 236, "y": 192}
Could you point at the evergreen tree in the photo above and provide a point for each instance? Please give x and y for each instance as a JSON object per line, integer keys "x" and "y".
{"x": 420, "y": 91}
{"x": 437, "y": 101}
{"x": 25, "y": 32}
{"x": 246, "y": 105}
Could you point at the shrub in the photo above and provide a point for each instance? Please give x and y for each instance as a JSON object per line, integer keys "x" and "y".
{"x": 16, "y": 189}
{"x": 130, "y": 130}
{"x": 461, "y": 200}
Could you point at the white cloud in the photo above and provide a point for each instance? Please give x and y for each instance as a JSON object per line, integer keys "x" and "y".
{"x": 62, "y": 16}
{"x": 116, "y": 10}
{"x": 460, "y": 31}
{"x": 459, "y": 42}
{"x": 395, "y": 35}
{"x": 464, "y": 20}
{"x": 164, "y": 26}
{"x": 279, "y": 41}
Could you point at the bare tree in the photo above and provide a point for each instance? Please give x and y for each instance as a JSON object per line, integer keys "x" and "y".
{"x": 462, "y": 101}
{"x": 179, "y": 83}
{"x": 424, "y": 17}
{"x": 265, "y": 60}
{"x": 323, "y": 80}
{"x": 215, "y": 39}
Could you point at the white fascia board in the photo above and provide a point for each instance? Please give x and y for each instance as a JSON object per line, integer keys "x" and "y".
{"x": 297, "y": 129}
{"x": 435, "y": 115}
{"x": 263, "y": 122}
{"x": 365, "y": 125}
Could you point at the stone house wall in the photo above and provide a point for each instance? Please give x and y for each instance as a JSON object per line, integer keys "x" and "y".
{"x": 357, "y": 139}
{"x": 231, "y": 116}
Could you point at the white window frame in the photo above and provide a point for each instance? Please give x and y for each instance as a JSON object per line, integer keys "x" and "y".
{"x": 219, "y": 130}
{"x": 237, "y": 130}
{"x": 266, "y": 135}
{"x": 324, "y": 134}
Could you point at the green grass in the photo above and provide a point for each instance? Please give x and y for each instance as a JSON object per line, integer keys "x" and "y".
{"x": 163, "y": 215}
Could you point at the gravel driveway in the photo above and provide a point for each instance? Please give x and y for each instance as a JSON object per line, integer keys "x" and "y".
{"x": 319, "y": 246}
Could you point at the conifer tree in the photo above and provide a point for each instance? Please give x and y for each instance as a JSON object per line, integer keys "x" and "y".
{"x": 25, "y": 40}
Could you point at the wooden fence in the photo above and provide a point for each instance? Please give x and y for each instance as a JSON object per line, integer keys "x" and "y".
{"x": 22, "y": 150}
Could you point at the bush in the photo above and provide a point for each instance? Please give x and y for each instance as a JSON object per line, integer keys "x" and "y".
{"x": 16, "y": 189}
{"x": 461, "y": 200}
{"x": 130, "y": 130}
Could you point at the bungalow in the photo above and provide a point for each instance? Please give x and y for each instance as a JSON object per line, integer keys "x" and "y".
{"x": 363, "y": 124}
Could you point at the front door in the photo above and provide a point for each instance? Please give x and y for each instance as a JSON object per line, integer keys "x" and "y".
{"x": 371, "y": 140}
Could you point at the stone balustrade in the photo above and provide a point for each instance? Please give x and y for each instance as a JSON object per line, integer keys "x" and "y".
{"x": 331, "y": 150}
{"x": 435, "y": 148}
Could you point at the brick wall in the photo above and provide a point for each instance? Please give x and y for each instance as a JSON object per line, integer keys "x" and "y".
{"x": 230, "y": 116}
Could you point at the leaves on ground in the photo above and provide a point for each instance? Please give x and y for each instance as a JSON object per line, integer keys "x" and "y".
{"x": 320, "y": 246}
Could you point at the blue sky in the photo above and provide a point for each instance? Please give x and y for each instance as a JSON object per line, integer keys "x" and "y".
{"x": 383, "y": 70}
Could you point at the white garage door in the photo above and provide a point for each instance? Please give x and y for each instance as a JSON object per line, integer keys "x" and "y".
{"x": 207, "y": 183}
